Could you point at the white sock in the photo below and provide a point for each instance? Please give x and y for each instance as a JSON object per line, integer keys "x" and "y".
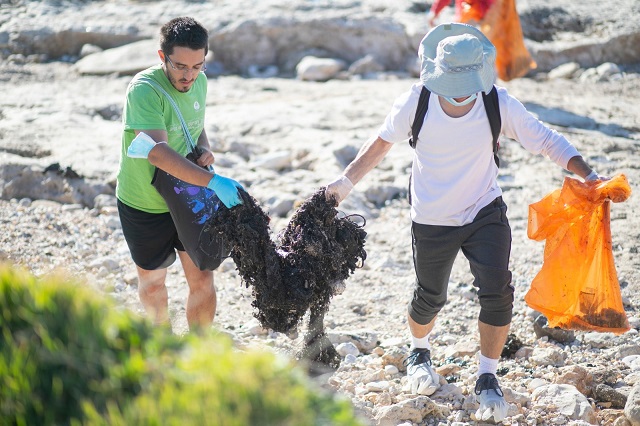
{"x": 487, "y": 365}
{"x": 422, "y": 342}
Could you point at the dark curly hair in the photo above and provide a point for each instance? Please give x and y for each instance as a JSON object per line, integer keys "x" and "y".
{"x": 183, "y": 32}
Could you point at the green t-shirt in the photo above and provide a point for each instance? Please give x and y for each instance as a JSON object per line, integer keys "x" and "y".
{"x": 146, "y": 108}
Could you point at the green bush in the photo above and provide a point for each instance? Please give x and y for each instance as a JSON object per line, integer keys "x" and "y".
{"x": 69, "y": 355}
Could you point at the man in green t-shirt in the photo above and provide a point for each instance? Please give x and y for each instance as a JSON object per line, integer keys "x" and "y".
{"x": 146, "y": 222}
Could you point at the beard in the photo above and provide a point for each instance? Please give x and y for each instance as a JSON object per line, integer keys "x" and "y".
{"x": 179, "y": 85}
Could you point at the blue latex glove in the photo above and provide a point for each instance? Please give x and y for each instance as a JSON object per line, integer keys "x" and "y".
{"x": 226, "y": 189}
{"x": 141, "y": 145}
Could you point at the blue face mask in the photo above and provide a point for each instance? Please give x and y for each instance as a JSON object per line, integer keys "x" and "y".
{"x": 463, "y": 103}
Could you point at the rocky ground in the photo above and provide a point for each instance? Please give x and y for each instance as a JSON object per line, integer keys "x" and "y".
{"x": 284, "y": 138}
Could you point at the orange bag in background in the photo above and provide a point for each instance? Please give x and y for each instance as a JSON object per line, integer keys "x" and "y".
{"x": 472, "y": 11}
{"x": 501, "y": 25}
{"x": 577, "y": 287}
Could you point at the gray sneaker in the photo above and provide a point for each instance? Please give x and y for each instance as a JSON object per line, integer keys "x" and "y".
{"x": 491, "y": 399}
{"x": 421, "y": 377}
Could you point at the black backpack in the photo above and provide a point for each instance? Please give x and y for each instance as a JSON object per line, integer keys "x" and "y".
{"x": 492, "y": 108}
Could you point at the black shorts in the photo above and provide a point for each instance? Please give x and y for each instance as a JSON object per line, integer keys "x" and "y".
{"x": 152, "y": 237}
{"x": 486, "y": 243}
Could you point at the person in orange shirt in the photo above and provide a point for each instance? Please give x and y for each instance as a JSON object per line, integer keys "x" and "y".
{"x": 499, "y": 21}
{"x": 469, "y": 10}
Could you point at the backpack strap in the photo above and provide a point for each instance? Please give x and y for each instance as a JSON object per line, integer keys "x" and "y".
{"x": 491, "y": 106}
{"x": 421, "y": 112}
{"x": 185, "y": 129}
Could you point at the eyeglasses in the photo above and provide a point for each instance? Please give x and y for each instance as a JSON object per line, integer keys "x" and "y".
{"x": 185, "y": 69}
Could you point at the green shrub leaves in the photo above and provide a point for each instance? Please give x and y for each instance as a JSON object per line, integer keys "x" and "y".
{"x": 69, "y": 355}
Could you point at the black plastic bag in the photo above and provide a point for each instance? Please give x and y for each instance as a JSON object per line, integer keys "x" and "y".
{"x": 191, "y": 206}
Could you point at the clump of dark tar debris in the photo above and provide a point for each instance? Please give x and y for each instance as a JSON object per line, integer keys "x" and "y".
{"x": 314, "y": 254}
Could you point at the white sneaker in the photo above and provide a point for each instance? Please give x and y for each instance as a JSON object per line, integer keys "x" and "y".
{"x": 422, "y": 379}
{"x": 491, "y": 399}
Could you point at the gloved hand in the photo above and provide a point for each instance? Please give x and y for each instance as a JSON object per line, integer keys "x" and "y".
{"x": 595, "y": 176}
{"x": 338, "y": 189}
{"x": 141, "y": 145}
{"x": 226, "y": 189}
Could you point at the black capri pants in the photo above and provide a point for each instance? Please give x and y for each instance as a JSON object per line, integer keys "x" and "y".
{"x": 486, "y": 243}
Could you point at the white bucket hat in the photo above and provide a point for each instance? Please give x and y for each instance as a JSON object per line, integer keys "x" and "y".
{"x": 457, "y": 61}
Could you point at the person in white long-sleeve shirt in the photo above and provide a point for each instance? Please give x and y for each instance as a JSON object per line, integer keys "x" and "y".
{"x": 453, "y": 178}
{"x": 456, "y": 201}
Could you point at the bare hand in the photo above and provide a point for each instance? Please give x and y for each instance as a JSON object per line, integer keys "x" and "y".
{"x": 431, "y": 19}
{"x": 206, "y": 158}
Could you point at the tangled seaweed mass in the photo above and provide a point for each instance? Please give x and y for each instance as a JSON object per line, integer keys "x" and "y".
{"x": 315, "y": 253}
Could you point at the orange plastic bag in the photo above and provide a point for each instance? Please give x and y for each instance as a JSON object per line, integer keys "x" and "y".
{"x": 472, "y": 11}
{"x": 577, "y": 287}
{"x": 501, "y": 25}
